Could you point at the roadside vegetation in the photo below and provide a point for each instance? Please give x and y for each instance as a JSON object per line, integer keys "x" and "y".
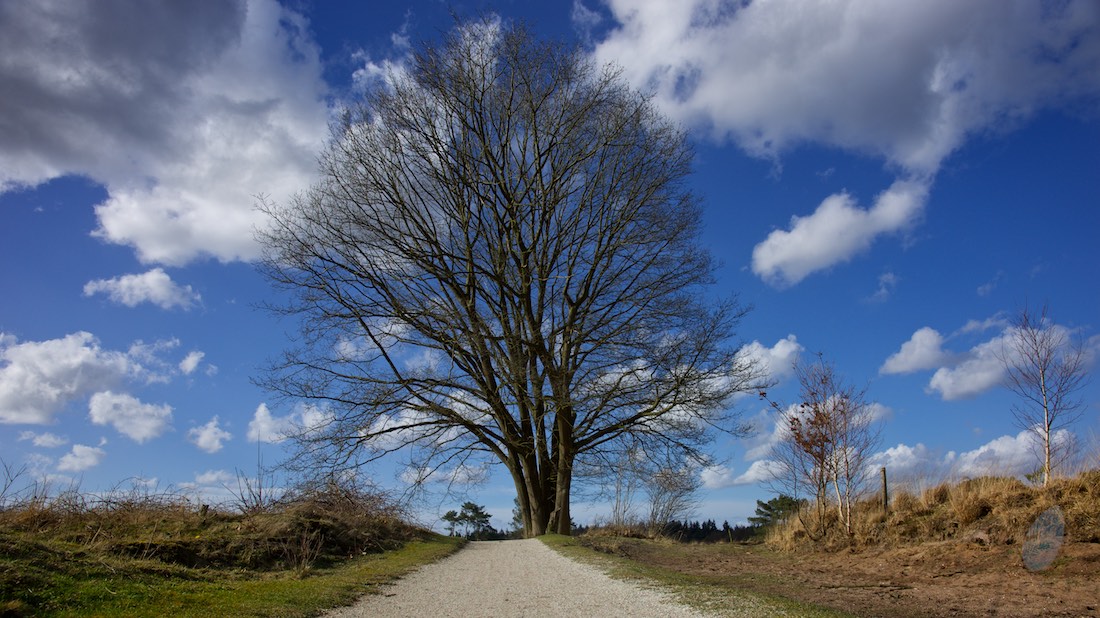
{"x": 137, "y": 553}
{"x": 985, "y": 510}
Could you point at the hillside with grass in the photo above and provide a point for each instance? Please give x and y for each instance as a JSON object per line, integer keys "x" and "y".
{"x": 962, "y": 548}
{"x": 984, "y": 510}
{"x": 139, "y": 553}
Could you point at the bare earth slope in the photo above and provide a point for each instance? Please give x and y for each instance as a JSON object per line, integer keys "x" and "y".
{"x": 512, "y": 578}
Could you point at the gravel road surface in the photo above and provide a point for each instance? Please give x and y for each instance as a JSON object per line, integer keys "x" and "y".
{"x": 512, "y": 578}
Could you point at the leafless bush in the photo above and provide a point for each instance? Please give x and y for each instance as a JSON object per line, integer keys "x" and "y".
{"x": 302, "y": 550}
{"x": 254, "y": 495}
{"x": 9, "y": 476}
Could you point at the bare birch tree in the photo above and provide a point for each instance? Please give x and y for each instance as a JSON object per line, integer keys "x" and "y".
{"x": 1044, "y": 368}
{"x": 501, "y": 263}
{"x": 829, "y": 437}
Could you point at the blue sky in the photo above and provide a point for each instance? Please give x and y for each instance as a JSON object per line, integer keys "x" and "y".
{"x": 884, "y": 182}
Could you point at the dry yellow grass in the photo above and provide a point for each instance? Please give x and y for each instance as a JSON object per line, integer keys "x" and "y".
{"x": 985, "y": 510}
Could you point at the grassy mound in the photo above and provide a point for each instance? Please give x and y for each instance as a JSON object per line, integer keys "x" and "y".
{"x": 986, "y": 511}
{"x": 74, "y": 551}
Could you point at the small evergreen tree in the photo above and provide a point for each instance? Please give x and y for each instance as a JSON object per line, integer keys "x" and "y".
{"x": 453, "y": 520}
{"x": 774, "y": 511}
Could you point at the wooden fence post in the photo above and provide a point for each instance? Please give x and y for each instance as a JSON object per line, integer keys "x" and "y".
{"x": 885, "y": 494}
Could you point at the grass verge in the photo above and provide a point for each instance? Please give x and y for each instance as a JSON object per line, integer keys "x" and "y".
{"x": 50, "y": 579}
{"x": 714, "y": 595}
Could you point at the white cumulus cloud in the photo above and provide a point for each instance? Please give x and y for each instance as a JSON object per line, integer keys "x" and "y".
{"x": 924, "y": 350}
{"x": 209, "y": 437}
{"x": 191, "y": 362}
{"x": 908, "y": 81}
{"x": 721, "y": 477}
{"x": 214, "y": 477}
{"x": 1005, "y": 456}
{"x": 837, "y": 231}
{"x": 39, "y": 378}
{"x": 129, "y": 416}
{"x": 777, "y": 361}
{"x": 905, "y": 463}
{"x": 154, "y": 286}
{"x": 183, "y": 113}
{"x": 266, "y": 427}
{"x": 759, "y": 471}
{"x": 80, "y": 458}
{"x": 981, "y": 370}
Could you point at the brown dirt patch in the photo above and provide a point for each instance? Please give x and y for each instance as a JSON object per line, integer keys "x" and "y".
{"x": 950, "y": 578}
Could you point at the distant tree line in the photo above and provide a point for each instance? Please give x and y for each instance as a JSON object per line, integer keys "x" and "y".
{"x": 708, "y": 532}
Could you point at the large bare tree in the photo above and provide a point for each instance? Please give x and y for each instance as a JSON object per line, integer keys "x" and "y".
{"x": 501, "y": 263}
{"x": 1044, "y": 368}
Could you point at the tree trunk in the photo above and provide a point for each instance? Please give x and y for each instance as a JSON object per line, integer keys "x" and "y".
{"x": 563, "y": 524}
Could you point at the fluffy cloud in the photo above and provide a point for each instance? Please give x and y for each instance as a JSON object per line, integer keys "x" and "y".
{"x": 80, "y": 458}
{"x": 266, "y": 427}
{"x": 209, "y": 437}
{"x": 777, "y": 361}
{"x": 924, "y": 350}
{"x": 183, "y": 113}
{"x": 759, "y": 472}
{"x": 981, "y": 371}
{"x": 764, "y": 444}
{"x": 971, "y": 373}
{"x": 214, "y": 477}
{"x": 154, "y": 286}
{"x": 908, "y": 463}
{"x": 720, "y": 477}
{"x": 191, "y": 362}
{"x": 1007, "y": 455}
{"x": 716, "y": 477}
{"x": 837, "y": 231}
{"x": 906, "y": 81}
{"x": 39, "y": 378}
{"x": 129, "y": 416}
{"x": 43, "y": 440}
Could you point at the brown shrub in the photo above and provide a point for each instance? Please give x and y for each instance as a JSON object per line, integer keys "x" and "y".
{"x": 937, "y": 495}
{"x": 905, "y": 503}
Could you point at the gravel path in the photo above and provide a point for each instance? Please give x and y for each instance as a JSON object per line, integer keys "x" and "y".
{"x": 512, "y": 578}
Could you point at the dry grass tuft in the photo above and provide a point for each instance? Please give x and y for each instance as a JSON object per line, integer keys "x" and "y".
{"x": 985, "y": 510}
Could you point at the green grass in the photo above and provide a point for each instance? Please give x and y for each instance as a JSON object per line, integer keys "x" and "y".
{"x": 61, "y": 579}
{"x": 715, "y": 595}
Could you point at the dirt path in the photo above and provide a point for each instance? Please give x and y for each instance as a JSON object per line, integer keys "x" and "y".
{"x": 512, "y": 578}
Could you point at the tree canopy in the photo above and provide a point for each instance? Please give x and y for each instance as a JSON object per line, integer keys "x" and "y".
{"x": 501, "y": 264}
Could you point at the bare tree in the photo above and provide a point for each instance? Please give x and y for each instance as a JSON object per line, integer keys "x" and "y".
{"x": 673, "y": 493}
{"x": 500, "y": 263}
{"x": 829, "y": 437}
{"x": 1044, "y": 368}
{"x": 618, "y": 480}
